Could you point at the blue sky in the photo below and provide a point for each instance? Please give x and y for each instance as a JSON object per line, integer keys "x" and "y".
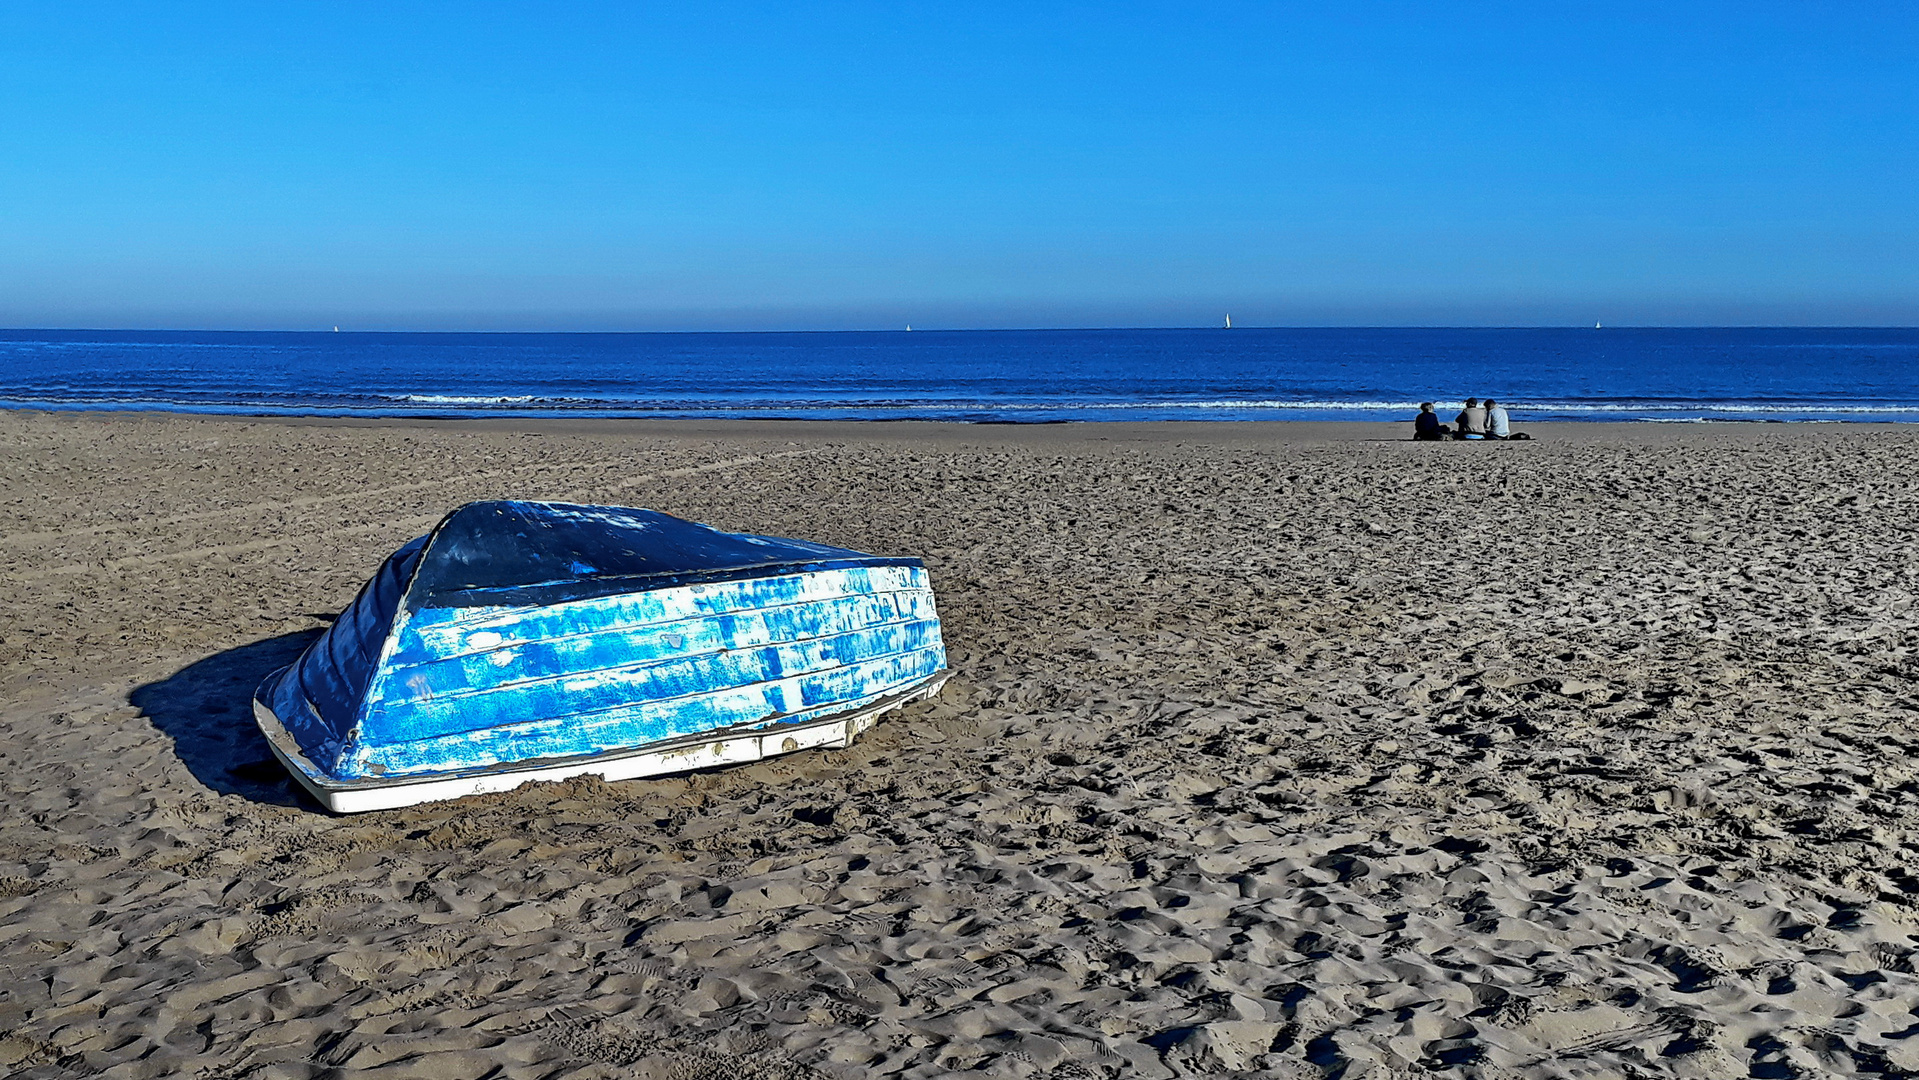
{"x": 740, "y": 166}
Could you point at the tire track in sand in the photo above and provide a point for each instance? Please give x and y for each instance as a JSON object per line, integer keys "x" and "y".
{"x": 409, "y": 524}
{"x": 318, "y": 500}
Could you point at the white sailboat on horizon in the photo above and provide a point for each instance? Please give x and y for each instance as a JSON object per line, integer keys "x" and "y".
{"x": 1229, "y": 322}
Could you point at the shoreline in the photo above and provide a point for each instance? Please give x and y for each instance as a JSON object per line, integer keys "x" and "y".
{"x": 564, "y": 417}
{"x": 1150, "y": 430}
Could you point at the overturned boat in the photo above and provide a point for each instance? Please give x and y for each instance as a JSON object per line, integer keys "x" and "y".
{"x": 523, "y": 641}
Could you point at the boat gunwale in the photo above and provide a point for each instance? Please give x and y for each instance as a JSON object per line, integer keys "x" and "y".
{"x": 325, "y": 786}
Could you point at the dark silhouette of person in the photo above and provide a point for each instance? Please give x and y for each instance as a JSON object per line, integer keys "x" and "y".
{"x": 1426, "y": 426}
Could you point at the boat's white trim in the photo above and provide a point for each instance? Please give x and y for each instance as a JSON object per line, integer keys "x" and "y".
{"x": 702, "y": 751}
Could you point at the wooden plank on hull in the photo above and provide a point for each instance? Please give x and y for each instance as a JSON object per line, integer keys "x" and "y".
{"x": 688, "y": 754}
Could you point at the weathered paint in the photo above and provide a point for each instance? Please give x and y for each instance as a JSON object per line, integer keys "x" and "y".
{"x": 465, "y": 652}
{"x": 695, "y": 752}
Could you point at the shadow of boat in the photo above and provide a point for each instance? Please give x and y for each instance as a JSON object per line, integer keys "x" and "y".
{"x": 206, "y": 708}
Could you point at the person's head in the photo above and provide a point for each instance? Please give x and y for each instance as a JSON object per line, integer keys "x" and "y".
{"x": 1472, "y": 403}
{"x": 1425, "y": 406}
{"x": 1490, "y": 403}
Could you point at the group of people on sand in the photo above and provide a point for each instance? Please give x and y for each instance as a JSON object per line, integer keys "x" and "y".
{"x": 1475, "y": 422}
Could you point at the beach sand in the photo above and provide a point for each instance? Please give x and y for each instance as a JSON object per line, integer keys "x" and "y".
{"x": 1288, "y": 749}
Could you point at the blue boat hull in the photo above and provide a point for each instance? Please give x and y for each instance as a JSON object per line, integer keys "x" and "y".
{"x": 703, "y": 750}
{"x": 417, "y": 695}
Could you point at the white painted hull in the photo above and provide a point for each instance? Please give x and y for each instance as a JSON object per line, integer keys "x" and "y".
{"x": 685, "y": 754}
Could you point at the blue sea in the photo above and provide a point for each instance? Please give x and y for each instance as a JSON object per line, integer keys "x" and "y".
{"x": 1769, "y": 374}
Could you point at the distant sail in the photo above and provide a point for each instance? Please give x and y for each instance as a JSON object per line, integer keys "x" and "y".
{"x": 1595, "y": 326}
{"x": 1229, "y": 322}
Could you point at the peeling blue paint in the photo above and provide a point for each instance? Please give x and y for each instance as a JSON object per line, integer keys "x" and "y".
{"x": 522, "y": 631}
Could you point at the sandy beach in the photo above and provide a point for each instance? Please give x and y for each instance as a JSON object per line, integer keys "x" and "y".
{"x": 1297, "y": 750}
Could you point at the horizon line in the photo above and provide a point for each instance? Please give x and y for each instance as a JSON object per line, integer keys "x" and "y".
{"x": 906, "y": 329}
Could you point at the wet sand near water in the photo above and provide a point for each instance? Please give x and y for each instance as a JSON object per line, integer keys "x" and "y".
{"x": 1290, "y": 749}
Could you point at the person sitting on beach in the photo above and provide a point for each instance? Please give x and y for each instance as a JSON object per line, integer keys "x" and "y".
{"x": 1426, "y": 426}
{"x": 1471, "y": 421}
{"x": 1498, "y": 425}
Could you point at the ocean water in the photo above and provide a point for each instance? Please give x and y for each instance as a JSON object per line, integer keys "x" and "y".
{"x": 1768, "y": 374}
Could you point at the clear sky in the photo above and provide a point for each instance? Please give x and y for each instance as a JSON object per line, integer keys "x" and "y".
{"x": 780, "y": 165}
